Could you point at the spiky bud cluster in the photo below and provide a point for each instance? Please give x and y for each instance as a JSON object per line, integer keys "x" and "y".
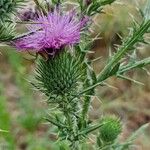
{"x": 60, "y": 76}
{"x": 110, "y": 129}
{"x": 8, "y": 7}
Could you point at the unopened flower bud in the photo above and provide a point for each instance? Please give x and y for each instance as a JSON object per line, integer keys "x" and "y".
{"x": 110, "y": 129}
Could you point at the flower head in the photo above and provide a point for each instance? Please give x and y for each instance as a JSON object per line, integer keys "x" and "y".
{"x": 110, "y": 129}
{"x": 51, "y": 33}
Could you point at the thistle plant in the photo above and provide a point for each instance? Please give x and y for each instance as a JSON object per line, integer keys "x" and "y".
{"x": 62, "y": 40}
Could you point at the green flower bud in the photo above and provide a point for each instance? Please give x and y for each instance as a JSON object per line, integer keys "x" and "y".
{"x": 110, "y": 129}
{"x": 60, "y": 76}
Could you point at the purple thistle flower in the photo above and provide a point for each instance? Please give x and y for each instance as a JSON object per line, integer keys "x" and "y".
{"x": 51, "y": 33}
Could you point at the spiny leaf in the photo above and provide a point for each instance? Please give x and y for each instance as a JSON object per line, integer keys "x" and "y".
{"x": 136, "y": 64}
{"x": 114, "y": 70}
{"x": 127, "y": 45}
{"x": 96, "y": 6}
{"x": 106, "y": 2}
{"x": 8, "y": 8}
{"x": 90, "y": 129}
{"x": 6, "y": 31}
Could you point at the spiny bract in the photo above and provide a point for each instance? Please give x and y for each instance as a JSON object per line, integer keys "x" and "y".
{"x": 60, "y": 76}
{"x": 6, "y": 31}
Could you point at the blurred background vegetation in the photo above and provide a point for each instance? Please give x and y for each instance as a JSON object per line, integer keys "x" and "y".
{"x": 22, "y": 108}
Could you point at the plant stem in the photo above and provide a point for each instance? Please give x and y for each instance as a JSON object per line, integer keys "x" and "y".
{"x": 70, "y": 123}
{"x": 119, "y": 55}
{"x": 127, "y": 45}
{"x": 123, "y": 50}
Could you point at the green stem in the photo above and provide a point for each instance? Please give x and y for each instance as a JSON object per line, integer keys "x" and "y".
{"x": 119, "y": 55}
{"x": 22, "y": 22}
{"x": 115, "y": 59}
{"x": 70, "y": 123}
{"x": 123, "y": 50}
{"x": 23, "y": 35}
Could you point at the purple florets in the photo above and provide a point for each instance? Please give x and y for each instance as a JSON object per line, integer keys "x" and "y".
{"x": 51, "y": 33}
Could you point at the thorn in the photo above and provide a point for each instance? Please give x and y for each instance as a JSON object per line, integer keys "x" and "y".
{"x": 110, "y": 86}
{"x": 96, "y": 59}
{"x": 147, "y": 71}
{"x": 110, "y": 51}
{"x": 132, "y": 80}
{"x": 97, "y": 98}
{"x": 119, "y": 36}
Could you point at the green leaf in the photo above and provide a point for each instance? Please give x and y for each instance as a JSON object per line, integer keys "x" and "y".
{"x": 126, "y": 47}
{"x": 55, "y": 122}
{"x": 90, "y": 129}
{"x": 137, "y": 64}
{"x": 106, "y": 2}
{"x": 96, "y": 6}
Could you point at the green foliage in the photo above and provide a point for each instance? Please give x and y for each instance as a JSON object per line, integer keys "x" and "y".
{"x": 60, "y": 75}
{"x": 94, "y": 6}
{"x": 6, "y": 31}
{"x": 105, "y": 2}
{"x": 8, "y": 8}
{"x": 69, "y": 81}
{"x": 30, "y": 118}
{"x": 5, "y": 122}
{"x": 110, "y": 129}
{"x": 4, "y": 115}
